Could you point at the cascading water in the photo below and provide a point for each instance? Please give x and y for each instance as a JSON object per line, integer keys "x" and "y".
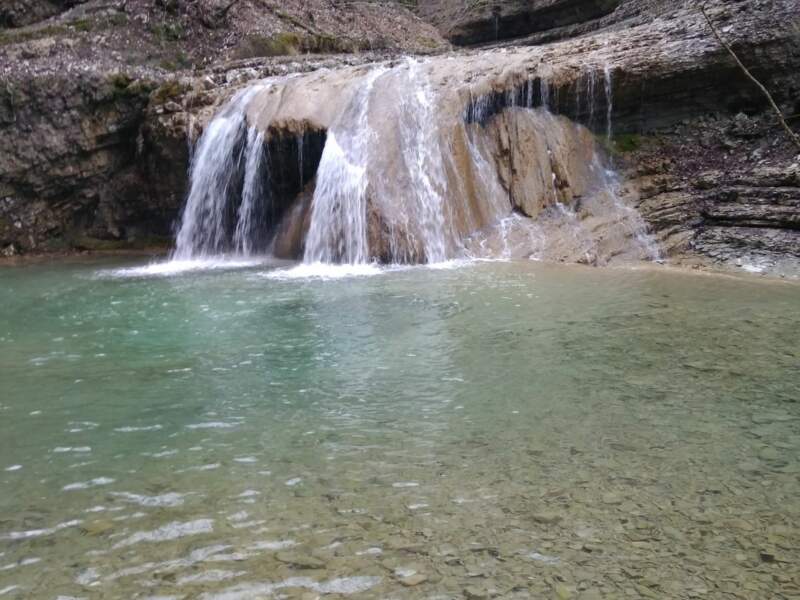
{"x": 413, "y": 196}
{"x": 609, "y": 89}
{"x": 404, "y": 174}
{"x": 247, "y": 221}
{"x": 209, "y": 217}
{"x": 338, "y": 230}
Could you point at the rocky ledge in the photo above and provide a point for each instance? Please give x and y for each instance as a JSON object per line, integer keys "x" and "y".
{"x": 724, "y": 190}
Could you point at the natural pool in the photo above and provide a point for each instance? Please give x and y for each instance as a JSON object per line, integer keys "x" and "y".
{"x": 510, "y": 430}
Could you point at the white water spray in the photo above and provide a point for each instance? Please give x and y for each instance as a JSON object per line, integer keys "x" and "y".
{"x": 338, "y": 231}
{"x": 206, "y": 217}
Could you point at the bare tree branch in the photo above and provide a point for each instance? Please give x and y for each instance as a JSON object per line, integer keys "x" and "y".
{"x": 792, "y": 135}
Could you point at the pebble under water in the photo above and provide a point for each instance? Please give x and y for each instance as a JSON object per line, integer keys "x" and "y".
{"x": 496, "y": 430}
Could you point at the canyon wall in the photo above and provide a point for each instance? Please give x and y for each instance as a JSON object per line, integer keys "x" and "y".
{"x": 98, "y": 126}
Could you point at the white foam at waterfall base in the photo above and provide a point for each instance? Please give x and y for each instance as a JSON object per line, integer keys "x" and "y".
{"x": 329, "y": 271}
{"x": 322, "y": 270}
{"x": 178, "y": 267}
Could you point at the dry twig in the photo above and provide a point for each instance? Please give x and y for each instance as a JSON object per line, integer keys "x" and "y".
{"x": 792, "y": 135}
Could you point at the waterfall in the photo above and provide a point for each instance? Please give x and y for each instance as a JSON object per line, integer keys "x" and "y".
{"x": 422, "y": 156}
{"x": 397, "y": 163}
{"x": 338, "y": 231}
{"x": 207, "y": 217}
{"x": 609, "y": 99}
{"x": 544, "y": 92}
{"x": 248, "y": 223}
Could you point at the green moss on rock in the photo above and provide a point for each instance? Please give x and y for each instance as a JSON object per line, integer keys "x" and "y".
{"x": 119, "y": 81}
{"x": 169, "y": 90}
{"x": 626, "y": 142}
{"x": 176, "y": 62}
{"x": 124, "y": 86}
{"x": 82, "y": 25}
{"x": 169, "y": 32}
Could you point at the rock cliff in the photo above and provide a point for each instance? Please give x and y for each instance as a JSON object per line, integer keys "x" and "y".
{"x": 468, "y": 23}
{"x": 99, "y": 101}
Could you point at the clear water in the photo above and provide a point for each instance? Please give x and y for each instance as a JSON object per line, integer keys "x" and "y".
{"x": 508, "y": 430}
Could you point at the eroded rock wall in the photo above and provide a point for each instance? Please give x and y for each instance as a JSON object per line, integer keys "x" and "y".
{"x": 470, "y": 23}
{"x": 70, "y": 166}
{"x": 719, "y": 189}
{"x": 99, "y": 158}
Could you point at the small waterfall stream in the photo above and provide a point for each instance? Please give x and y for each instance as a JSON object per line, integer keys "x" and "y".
{"x": 409, "y": 171}
{"x": 338, "y": 230}
{"x": 208, "y": 218}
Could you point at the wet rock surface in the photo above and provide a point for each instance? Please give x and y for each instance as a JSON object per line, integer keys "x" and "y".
{"x": 715, "y": 196}
{"x": 69, "y": 165}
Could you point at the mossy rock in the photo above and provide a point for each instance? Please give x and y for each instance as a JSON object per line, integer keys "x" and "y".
{"x": 169, "y": 31}
{"x": 119, "y": 81}
{"x": 283, "y": 44}
{"x": 123, "y": 86}
{"x": 429, "y": 43}
{"x": 82, "y": 25}
{"x": 169, "y": 90}
{"x": 178, "y": 62}
{"x": 626, "y": 142}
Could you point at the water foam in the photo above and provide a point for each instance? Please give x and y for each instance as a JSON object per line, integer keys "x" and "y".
{"x": 178, "y": 267}
{"x": 34, "y": 533}
{"x": 168, "y": 500}
{"x": 83, "y": 485}
{"x": 321, "y": 270}
{"x": 170, "y": 531}
{"x": 341, "y": 585}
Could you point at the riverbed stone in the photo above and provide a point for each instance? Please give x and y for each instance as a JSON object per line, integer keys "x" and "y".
{"x": 413, "y": 580}
{"x": 547, "y": 518}
{"x": 98, "y": 527}
{"x": 300, "y": 561}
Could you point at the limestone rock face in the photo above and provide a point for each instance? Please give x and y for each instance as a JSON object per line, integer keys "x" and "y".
{"x": 542, "y": 159}
{"x": 739, "y": 210}
{"x": 482, "y": 22}
{"x": 68, "y": 170}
